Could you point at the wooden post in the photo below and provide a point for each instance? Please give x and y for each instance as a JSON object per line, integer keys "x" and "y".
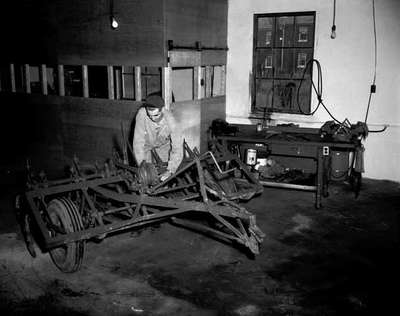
{"x": 12, "y": 78}
{"x": 43, "y": 78}
{"x": 85, "y": 81}
{"x": 138, "y": 84}
{"x": 197, "y": 82}
{"x": 123, "y": 89}
{"x": 118, "y": 75}
{"x": 60, "y": 77}
{"x": 209, "y": 71}
{"x": 27, "y": 78}
{"x": 110, "y": 79}
{"x": 166, "y": 89}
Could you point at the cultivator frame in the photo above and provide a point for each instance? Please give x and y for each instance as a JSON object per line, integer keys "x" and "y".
{"x": 91, "y": 204}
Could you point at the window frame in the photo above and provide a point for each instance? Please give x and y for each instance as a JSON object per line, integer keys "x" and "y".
{"x": 273, "y": 79}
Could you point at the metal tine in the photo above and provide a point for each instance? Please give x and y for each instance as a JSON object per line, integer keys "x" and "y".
{"x": 156, "y": 157}
{"x": 201, "y": 227}
{"x": 129, "y": 209}
{"x": 196, "y": 151}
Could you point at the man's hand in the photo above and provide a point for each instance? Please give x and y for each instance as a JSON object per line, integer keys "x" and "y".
{"x": 165, "y": 175}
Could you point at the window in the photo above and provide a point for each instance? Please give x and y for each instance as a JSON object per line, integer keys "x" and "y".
{"x": 5, "y": 77}
{"x": 283, "y": 45}
{"x": 34, "y": 79}
{"x": 98, "y": 82}
{"x": 73, "y": 81}
{"x": 52, "y": 81}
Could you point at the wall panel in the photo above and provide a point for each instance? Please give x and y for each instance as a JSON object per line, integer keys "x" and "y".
{"x": 189, "y": 21}
{"x": 50, "y": 130}
{"x": 79, "y": 32}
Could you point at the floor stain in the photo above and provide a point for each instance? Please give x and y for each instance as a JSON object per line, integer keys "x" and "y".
{"x": 342, "y": 259}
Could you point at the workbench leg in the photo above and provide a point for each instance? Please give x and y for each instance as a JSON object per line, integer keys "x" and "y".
{"x": 326, "y": 174}
{"x": 320, "y": 179}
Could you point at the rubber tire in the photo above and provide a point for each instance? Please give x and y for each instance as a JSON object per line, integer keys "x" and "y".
{"x": 63, "y": 212}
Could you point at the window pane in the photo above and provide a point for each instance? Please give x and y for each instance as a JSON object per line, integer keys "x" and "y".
{"x": 73, "y": 81}
{"x": 284, "y": 31}
{"x": 34, "y": 79}
{"x": 128, "y": 83}
{"x": 304, "y": 96}
{"x": 19, "y": 78}
{"x": 98, "y": 82}
{"x": 263, "y": 93}
{"x": 304, "y": 34}
{"x": 52, "y": 80}
{"x": 151, "y": 80}
{"x": 265, "y": 32}
{"x": 302, "y": 57}
{"x": 283, "y": 63}
{"x": 264, "y": 63}
{"x": 218, "y": 81}
{"x": 284, "y": 95}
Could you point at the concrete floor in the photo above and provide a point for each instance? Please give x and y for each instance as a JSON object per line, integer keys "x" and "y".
{"x": 339, "y": 260}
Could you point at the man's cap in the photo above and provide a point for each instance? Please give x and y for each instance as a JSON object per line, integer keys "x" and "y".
{"x": 154, "y": 101}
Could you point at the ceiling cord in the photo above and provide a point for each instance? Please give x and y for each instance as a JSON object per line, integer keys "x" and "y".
{"x": 375, "y": 62}
{"x": 318, "y": 89}
{"x": 333, "y": 34}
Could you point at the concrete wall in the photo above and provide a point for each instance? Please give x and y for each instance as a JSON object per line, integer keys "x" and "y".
{"x": 347, "y": 66}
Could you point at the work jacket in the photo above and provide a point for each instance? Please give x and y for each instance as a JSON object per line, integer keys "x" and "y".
{"x": 164, "y": 136}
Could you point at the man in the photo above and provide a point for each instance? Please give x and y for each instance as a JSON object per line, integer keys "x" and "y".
{"x": 156, "y": 129}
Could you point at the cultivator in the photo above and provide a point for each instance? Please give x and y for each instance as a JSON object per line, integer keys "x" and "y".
{"x": 61, "y": 216}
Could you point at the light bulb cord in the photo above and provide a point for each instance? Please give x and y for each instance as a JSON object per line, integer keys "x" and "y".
{"x": 333, "y": 34}
{"x": 375, "y": 61}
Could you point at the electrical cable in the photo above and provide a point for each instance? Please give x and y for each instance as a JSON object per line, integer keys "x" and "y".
{"x": 379, "y": 130}
{"x": 318, "y": 91}
{"x": 375, "y": 62}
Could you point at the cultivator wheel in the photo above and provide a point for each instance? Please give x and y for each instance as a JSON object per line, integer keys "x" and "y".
{"x": 26, "y": 228}
{"x": 26, "y": 224}
{"x": 65, "y": 218}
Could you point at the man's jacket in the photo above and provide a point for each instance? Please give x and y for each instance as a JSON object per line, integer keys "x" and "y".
{"x": 164, "y": 136}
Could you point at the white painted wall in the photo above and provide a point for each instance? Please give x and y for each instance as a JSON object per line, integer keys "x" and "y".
{"x": 347, "y": 69}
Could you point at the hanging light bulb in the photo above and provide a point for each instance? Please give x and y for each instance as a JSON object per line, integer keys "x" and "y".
{"x": 114, "y": 23}
{"x": 333, "y": 33}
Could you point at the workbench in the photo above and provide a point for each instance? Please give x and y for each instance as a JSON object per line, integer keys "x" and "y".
{"x": 293, "y": 142}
